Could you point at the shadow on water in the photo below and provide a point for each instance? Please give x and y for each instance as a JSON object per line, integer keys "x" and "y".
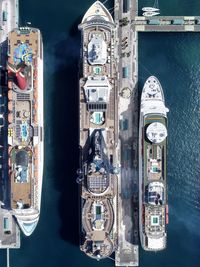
{"x": 65, "y": 137}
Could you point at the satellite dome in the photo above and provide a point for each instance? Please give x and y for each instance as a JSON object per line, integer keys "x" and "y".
{"x": 156, "y": 132}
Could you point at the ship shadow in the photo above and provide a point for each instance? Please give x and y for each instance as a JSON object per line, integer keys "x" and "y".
{"x": 66, "y": 132}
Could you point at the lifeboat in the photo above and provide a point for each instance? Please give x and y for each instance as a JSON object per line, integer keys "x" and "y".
{"x": 9, "y": 93}
{"x": 10, "y": 105}
{"x": 150, "y": 9}
{"x": 10, "y": 117}
{"x": 167, "y": 214}
{"x": 150, "y": 14}
{"x": 9, "y": 149}
{"x": 10, "y": 84}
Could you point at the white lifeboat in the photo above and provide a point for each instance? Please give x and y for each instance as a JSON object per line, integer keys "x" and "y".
{"x": 150, "y": 14}
{"x": 150, "y": 9}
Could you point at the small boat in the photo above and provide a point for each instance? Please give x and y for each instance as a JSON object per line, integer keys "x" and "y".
{"x": 150, "y": 9}
{"x": 150, "y": 14}
{"x": 154, "y": 8}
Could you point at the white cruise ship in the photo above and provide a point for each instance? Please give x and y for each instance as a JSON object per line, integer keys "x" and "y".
{"x": 153, "y": 215}
{"x": 98, "y": 183}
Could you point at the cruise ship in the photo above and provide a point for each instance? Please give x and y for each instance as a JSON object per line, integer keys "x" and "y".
{"x": 153, "y": 215}
{"x": 25, "y": 125}
{"x": 97, "y": 174}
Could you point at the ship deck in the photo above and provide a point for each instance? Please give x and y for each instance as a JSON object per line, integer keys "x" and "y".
{"x": 23, "y": 117}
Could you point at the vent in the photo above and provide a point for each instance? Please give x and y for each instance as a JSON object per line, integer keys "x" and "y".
{"x": 23, "y": 97}
{"x": 96, "y": 106}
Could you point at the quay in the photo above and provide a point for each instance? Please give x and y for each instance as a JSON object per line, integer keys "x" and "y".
{"x": 128, "y": 24}
{"x": 127, "y": 253}
{"x": 9, "y": 230}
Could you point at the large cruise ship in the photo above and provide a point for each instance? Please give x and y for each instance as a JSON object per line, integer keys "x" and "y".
{"x": 25, "y": 125}
{"x": 97, "y": 174}
{"x": 152, "y": 167}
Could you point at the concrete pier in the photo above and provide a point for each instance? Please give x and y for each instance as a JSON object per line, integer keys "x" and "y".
{"x": 127, "y": 252}
{"x": 9, "y": 231}
{"x": 128, "y": 25}
{"x": 166, "y": 24}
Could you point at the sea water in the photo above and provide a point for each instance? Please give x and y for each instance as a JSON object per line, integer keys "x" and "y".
{"x": 172, "y": 57}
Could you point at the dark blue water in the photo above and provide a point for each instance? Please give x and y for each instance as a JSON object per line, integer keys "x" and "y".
{"x": 175, "y": 60}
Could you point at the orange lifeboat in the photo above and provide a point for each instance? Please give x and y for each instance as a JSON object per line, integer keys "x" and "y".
{"x": 167, "y": 214}
{"x": 10, "y": 84}
{"x": 35, "y": 105}
{"x": 10, "y": 94}
{"x": 10, "y": 117}
{"x": 35, "y": 93}
{"x": 9, "y": 149}
{"x": 167, "y": 219}
{"x": 10, "y": 106}
{"x": 35, "y": 118}
{"x": 34, "y": 84}
{"x": 35, "y": 74}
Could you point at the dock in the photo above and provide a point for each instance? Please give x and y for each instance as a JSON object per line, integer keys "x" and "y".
{"x": 127, "y": 253}
{"x": 9, "y": 230}
{"x": 128, "y": 24}
{"x": 166, "y": 24}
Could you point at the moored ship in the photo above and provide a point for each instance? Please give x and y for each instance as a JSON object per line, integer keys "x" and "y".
{"x": 153, "y": 216}
{"x": 97, "y": 178}
{"x": 25, "y": 125}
